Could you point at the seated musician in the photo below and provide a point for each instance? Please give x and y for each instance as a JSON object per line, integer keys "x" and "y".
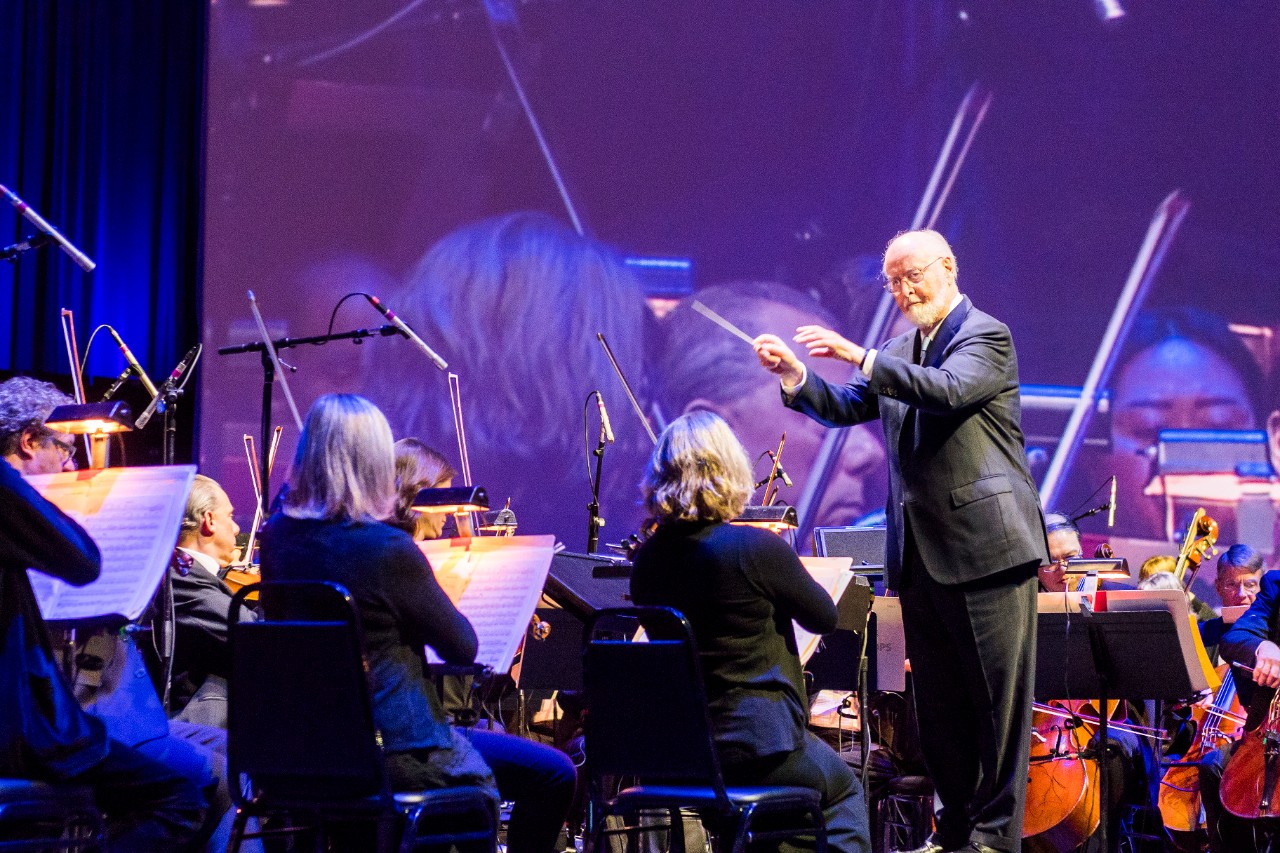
{"x": 1249, "y": 641}
{"x": 740, "y": 589}
{"x": 151, "y": 803}
{"x": 1064, "y": 544}
{"x": 1164, "y": 564}
{"x": 333, "y": 528}
{"x": 201, "y": 656}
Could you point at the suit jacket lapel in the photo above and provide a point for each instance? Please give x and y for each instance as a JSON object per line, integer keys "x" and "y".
{"x": 950, "y": 326}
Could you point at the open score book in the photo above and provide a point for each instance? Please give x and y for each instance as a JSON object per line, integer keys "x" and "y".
{"x": 133, "y": 514}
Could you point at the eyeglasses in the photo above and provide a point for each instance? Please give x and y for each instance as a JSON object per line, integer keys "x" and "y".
{"x": 912, "y": 276}
{"x": 65, "y": 449}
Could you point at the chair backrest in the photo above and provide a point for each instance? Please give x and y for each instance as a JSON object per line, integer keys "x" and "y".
{"x": 300, "y": 719}
{"x": 647, "y": 709}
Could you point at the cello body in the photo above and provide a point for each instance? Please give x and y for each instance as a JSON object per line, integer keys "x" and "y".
{"x": 1249, "y": 781}
{"x": 1062, "y": 806}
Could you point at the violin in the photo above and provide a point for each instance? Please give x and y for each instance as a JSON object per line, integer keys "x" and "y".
{"x": 1249, "y": 779}
{"x": 1216, "y": 725}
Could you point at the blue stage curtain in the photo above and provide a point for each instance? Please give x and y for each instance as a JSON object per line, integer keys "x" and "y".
{"x": 101, "y": 131}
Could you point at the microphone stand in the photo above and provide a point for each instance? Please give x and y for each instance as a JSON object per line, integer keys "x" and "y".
{"x": 166, "y": 399}
{"x": 269, "y": 376}
{"x": 594, "y": 521}
{"x": 35, "y": 241}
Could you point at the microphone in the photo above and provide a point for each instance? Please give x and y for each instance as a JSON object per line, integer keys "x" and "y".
{"x": 157, "y": 401}
{"x": 406, "y": 331}
{"x": 133, "y": 362}
{"x": 1111, "y": 509}
{"x": 782, "y": 472}
{"x": 606, "y": 428}
{"x": 82, "y": 260}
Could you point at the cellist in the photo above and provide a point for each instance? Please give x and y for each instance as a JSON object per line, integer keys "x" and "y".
{"x": 1250, "y": 641}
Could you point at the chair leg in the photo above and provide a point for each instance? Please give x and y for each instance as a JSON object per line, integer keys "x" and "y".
{"x": 742, "y": 830}
{"x": 676, "y": 819}
{"x": 237, "y": 831}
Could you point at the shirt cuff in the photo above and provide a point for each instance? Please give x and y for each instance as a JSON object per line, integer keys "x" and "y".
{"x": 789, "y": 391}
{"x": 868, "y": 361}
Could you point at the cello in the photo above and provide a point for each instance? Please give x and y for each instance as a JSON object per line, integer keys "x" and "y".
{"x": 1063, "y": 805}
{"x": 1216, "y": 726}
{"x": 1249, "y": 779}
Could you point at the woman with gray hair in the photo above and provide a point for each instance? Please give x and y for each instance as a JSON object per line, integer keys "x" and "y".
{"x": 740, "y": 588}
{"x": 342, "y": 491}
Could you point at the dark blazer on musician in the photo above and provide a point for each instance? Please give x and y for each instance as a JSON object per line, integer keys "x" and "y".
{"x": 740, "y": 588}
{"x": 959, "y": 476}
{"x": 201, "y": 602}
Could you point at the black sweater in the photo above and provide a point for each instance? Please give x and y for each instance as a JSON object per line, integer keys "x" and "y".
{"x": 740, "y": 588}
{"x": 402, "y": 608}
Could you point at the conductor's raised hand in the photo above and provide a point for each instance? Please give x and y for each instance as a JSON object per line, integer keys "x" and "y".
{"x": 777, "y": 358}
{"x": 824, "y": 343}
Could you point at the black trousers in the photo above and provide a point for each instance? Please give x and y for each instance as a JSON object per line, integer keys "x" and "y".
{"x": 815, "y": 765}
{"x": 972, "y": 648}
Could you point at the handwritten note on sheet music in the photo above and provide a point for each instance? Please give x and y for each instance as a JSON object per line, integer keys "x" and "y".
{"x": 496, "y": 582}
{"x": 133, "y": 514}
{"x": 833, "y": 575}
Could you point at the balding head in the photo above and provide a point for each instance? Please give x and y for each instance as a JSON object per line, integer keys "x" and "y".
{"x": 920, "y": 271}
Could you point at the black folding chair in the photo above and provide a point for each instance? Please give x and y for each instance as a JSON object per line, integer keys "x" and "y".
{"x": 647, "y": 718}
{"x": 301, "y": 729}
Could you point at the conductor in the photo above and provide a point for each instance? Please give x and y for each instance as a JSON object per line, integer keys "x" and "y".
{"x": 965, "y": 529}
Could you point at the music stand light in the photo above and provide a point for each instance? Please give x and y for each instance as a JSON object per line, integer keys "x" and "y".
{"x": 96, "y": 420}
{"x": 778, "y": 518}
{"x": 454, "y": 500}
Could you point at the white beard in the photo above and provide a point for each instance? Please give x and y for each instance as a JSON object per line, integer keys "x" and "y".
{"x": 926, "y": 315}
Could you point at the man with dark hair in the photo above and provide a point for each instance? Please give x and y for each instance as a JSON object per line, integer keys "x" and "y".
{"x": 1064, "y": 544}
{"x": 965, "y": 529}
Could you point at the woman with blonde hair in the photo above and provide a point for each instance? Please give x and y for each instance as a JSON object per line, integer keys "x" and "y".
{"x": 332, "y": 527}
{"x": 740, "y": 588}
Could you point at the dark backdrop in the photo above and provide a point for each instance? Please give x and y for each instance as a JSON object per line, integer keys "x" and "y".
{"x": 101, "y": 129}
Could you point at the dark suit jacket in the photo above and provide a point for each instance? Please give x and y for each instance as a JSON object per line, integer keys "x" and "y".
{"x": 959, "y": 476}
{"x": 739, "y": 587}
{"x": 200, "y": 602}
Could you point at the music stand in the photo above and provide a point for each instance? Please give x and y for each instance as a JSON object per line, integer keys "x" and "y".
{"x": 1109, "y": 655}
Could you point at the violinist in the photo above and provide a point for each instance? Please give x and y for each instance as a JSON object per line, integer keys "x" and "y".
{"x": 201, "y": 601}
{"x": 333, "y": 527}
{"x": 1064, "y": 544}
{"x": 741, "y": 588}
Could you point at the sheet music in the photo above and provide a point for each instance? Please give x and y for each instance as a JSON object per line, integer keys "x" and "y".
{"x": 133, "y": 514}
{"x": 496, "y": 581}
{"x": 891, "y": 644}
{"x": 833, "y": 575}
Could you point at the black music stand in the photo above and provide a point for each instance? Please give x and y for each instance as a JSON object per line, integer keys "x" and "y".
{"x": 1109, "y": 655}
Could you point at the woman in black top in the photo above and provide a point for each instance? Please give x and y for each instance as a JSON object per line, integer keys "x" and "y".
{"x": 332, "y": 528}
{"x": 740, "y": 589}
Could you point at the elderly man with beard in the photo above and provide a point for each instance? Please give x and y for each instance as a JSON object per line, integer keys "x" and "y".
{"x": 965, "y": 528}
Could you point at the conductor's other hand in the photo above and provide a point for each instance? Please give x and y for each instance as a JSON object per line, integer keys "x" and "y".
{"x": 777, "y": 358}
{"x": 1266, "y": 669}
{"x": 824, "y": 343}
